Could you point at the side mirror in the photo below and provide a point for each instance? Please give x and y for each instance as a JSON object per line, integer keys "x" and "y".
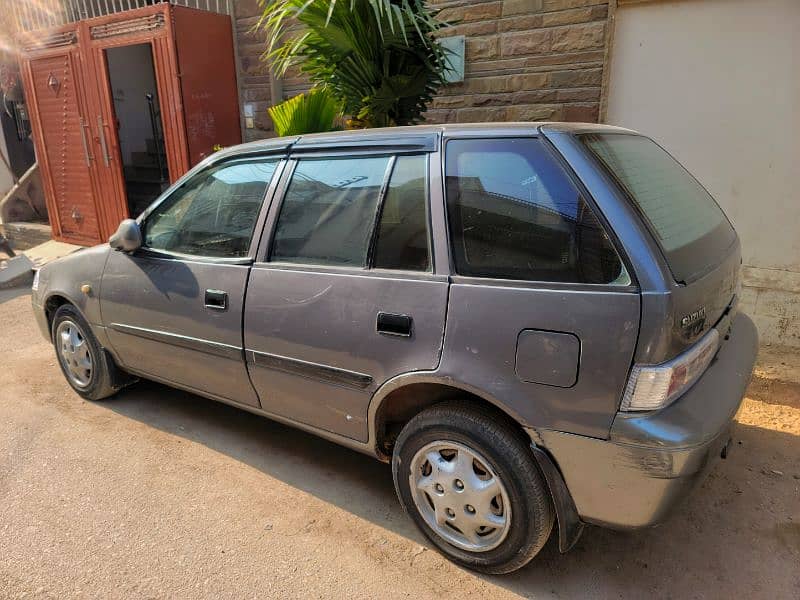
{"x": 128, "y": 236}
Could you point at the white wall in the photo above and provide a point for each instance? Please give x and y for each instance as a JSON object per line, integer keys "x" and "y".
{"x": 717, "y": 82}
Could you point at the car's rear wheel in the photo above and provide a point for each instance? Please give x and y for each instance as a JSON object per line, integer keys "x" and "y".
{"x": 83, "y": 362}
{"x": 471, "y": 484}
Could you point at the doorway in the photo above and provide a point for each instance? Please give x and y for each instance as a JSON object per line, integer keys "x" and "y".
{"x": 140, "y": 131}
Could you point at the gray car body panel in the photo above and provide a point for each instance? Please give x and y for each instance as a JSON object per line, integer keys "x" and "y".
{"x": 158, "y": 325}
{"x": 306, "y": 335}
{"x": 64, "y": 279}
{"x": 652, "y": 460}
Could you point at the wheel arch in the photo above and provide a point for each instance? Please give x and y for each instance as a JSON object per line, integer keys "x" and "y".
{"x": 53, "y": 302}
{"x": 398, "y": 400}
{"x": 401, "y": 398}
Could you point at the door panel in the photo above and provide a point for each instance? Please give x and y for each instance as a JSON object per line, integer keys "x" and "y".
{"x": 108, "y": 166}
{"x": 313, "y": 349}
{"x": 159, "y": 325}
{"x": 65, "y": 145}
{"x": 208, "y": 86}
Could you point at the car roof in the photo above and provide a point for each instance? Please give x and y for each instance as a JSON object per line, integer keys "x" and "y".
{"x": 416, "y": 137}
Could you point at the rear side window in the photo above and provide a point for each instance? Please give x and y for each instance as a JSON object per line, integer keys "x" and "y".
{"x": 515, "y": 214}
{"x": 329, "y": 211}
{"x": 402, "y": 236}
{"x": 691, "y": 228}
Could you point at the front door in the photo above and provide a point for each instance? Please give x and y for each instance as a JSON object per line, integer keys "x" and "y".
{"x": 345, "y": 298}
{"x": 173, "y": 309}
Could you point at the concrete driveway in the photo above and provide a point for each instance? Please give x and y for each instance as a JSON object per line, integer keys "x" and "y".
{"x": 161, "y": 494}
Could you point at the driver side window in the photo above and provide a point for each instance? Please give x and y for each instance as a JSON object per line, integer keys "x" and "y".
{"x": 213, "y": 213}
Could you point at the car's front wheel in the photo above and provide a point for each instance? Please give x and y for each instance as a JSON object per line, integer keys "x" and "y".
{"x": 471, "y": 484}
{"x": 82, "y": 360}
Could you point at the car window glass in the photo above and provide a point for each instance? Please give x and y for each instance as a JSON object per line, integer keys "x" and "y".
{"x": 515, "y": 214}
{"x": 402, "y": 237}
{"x": 213, "y": 213}
{"x": 328, "y": 211}
{"x": 689, "y": 225}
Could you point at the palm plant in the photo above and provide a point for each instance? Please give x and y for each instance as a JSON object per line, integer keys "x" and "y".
{"x": 378, "y": 57}
{"x": 306, "y": 113}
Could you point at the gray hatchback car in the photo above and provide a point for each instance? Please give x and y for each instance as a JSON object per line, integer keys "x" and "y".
{"x": 532, "y": 324}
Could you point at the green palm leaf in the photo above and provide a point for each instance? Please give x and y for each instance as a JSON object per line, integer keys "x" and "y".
{"x": 313, "y": 112}
{"x": 379, "y": 58}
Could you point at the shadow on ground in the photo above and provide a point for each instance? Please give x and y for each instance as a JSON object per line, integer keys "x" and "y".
{"x": 7, "y": 294}
{"x": 742, "y": 524}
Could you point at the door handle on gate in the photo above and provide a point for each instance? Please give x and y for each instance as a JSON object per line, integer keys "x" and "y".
{"x": 86, "y": 155}
{"x": 394, "y": 324}
{"x": 103, "y": 145}
{"x": 216, "y": 300}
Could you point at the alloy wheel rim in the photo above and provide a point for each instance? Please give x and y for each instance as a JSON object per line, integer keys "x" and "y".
{"x": 460, "y": 496}
{"x": 74, "y": 353}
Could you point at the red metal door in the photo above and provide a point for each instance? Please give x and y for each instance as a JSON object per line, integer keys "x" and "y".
{"x": 63, "y": 146}
{"x": 204, "y": 45}
{"x": 150, "y": 25}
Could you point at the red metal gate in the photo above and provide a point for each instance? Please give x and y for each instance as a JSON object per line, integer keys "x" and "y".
{"x": 65, "y": 77}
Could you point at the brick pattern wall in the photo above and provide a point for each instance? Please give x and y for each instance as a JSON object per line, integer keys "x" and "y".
{"x": 526, "y": 60}
{"x": 254, "y": 79}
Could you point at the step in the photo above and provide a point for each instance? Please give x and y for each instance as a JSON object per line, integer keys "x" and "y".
{"x": 147, "y": 159}
{"x": 24, "y": 235}
{"x": 146, "y": 173}
{"x": 16, "y": 271}
{"x": 136, "y": 206}
{"x": 150, "y": 144}
{"x": 141, "y": 187}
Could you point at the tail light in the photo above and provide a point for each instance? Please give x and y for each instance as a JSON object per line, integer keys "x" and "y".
{"x": 651, "y": 387}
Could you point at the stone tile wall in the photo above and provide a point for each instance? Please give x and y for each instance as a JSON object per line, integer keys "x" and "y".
{"x": 526, "y": 60}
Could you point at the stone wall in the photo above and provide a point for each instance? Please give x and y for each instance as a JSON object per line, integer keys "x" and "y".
{"x": 526, "y": 60}
{"x": 254, "y": 79}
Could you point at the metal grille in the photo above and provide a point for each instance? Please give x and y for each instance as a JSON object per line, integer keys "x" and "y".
{"x": 31, "y": 15}
{"x": 50, "y": 41}
{"x": 129, "y": 26}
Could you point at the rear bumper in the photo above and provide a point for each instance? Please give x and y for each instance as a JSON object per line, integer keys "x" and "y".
{"x": 652, "y": 460}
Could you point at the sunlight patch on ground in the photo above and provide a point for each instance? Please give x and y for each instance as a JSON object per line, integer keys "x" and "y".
{"x": 769, "y": 415}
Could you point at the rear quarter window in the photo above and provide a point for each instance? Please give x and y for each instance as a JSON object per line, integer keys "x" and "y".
{"x": 514, "y": 213}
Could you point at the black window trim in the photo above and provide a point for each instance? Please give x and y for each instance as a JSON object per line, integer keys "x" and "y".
{"x": 632, "y": 287}
{"x": 269, "y": 156}
{"x": 263, "y": 256}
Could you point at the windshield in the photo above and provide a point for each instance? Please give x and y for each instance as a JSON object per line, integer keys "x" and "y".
{"x": 690, "y": 227}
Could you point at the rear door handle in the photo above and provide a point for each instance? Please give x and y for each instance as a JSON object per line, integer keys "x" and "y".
{"x": 394, "y": 324}
{"x": 216, "y": 300}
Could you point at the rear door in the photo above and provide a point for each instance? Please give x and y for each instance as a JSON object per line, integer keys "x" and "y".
{"x": 173, "y": 309}
{"x": 543, "y": 315}
{"x": 344, "y": 296}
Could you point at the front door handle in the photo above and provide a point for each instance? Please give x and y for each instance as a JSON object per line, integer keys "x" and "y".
{"x": 394, "y": 324}
{"x": 216, "y": 300}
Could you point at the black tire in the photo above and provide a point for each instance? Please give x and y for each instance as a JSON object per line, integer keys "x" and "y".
{"x": 507, "y": 454}
{"x": 101, "y": 382}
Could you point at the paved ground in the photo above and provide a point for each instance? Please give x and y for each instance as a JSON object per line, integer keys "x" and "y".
{"x": 161, "y": 494}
